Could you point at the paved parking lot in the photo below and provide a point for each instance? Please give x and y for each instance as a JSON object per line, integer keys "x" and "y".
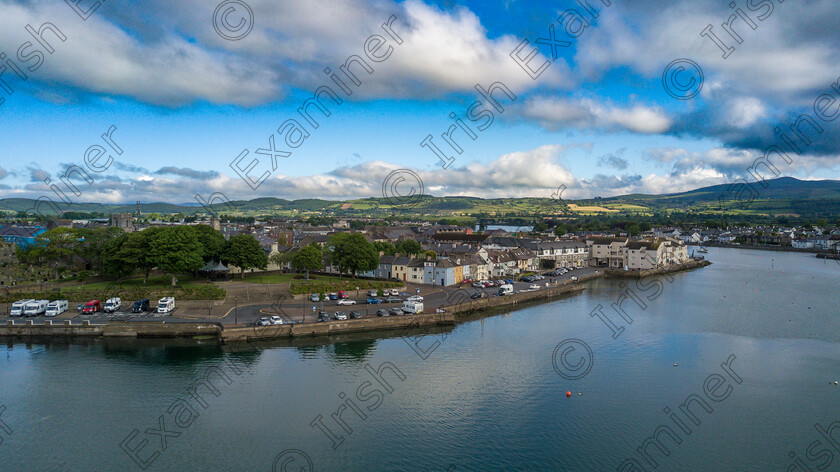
{"x": 304, "y": 311}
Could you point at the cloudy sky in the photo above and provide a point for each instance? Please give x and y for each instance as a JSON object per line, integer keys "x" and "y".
{"x": 192, "y": 86}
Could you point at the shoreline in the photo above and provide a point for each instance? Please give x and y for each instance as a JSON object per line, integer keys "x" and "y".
{"x": 209, "y": 331}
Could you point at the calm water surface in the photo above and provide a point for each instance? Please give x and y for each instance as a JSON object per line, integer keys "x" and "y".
{"x": 485, "y": 398}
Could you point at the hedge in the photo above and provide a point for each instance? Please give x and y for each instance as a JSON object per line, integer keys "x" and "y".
{"x": 298, "y": 288}
{"x": 126, "y": 293}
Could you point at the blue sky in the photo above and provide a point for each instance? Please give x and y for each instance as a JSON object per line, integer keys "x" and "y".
{"x": 186, "y": 101}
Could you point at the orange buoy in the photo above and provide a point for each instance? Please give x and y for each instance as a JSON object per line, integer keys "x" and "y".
{"x": 568, "y": 394}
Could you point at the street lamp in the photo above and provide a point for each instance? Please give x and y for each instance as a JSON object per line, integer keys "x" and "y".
{"x": 236, "y": 310}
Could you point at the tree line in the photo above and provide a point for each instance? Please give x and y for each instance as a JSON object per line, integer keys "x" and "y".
{"x": 113, "y": 253}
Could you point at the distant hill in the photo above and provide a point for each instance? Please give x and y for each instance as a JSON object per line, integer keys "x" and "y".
{"x": 783, "y": 196}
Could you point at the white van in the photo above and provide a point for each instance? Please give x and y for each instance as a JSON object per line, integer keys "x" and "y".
{"x": 506, "y": 289}
{"x": 36, "y": 307}
{"x": 166, "y": 305}
{"x": 57, "y": 307}
{"x": 112, "y": 304}
{"x": 413, "y": 307}
{"x": 18, "y": 306}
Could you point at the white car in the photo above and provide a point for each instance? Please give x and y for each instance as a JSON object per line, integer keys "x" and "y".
{"x": 345, "y": 302}
{"x": 264, "y": 321}
{"x": 373, "y": 293}
{"x": 414, "y": 298}
{"x": 340, "y": 315}
{"x": 276, "y": 320}
{"x": 534, "y": 287}
{"x": 395, "y": 292}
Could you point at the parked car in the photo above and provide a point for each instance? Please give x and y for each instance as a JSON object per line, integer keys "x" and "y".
{"x": 373, "y": 301}
{"x": 264, "y": 321}
{"x": 333, "y": 296}
{"x": 18, "y": 306}
{"x": 478, "y": 284}
{"x": 342, "y": 295}
{"x": 345, "y": 302}
{"x": 574, "y": 278}
{"x": 477, "y": 295}
{"x": 410, "y": 307}
{"x": 92, "y": 307}
{"x": 112, "y": 304}
{"x": 373, "y": 293}
{"x": 314, "y": 298}
{"x": 466, "y": 281}
{"x": 323, "y": 316}
{"x": 395, "y": 311}
{"x": 356, "y": 315}
{"x": 534, "y": 287}
{"x": 509, "y": 281}
{"x": 393, "y": 300}
{"x": 276, "y": 320}
{"x": 381, "y": 312}
{"x": 140, "y": 306}
{"x": 506, "y": 289}
{"x": 57, "y": 307}
{"x": 394, "y": 292}
{"x": 341, "y": 316}
{"x": 166, "y": 305}
{"x": 415, "y": 298}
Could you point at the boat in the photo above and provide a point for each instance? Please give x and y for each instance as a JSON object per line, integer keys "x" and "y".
{"x": 702, "y": 250}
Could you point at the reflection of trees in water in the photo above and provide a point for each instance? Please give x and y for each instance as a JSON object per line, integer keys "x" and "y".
{"x": 356, "y": 351}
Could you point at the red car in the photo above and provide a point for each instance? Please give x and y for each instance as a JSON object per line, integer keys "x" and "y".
{"x": 343, "y": 295}
{"x": 466, "y": 281}
{"x": 92, "y": 306}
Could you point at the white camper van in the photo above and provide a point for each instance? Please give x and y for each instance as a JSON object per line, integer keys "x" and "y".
{"x": 57, "y": 307}
{"x": 36, "y": 307}
{"x": 166, "y": 305}
{"x": 112, "y": 304}
{"x": 506, "y": 289}
{"x": 413, "y": 307}
{"x": 18, "y": 307}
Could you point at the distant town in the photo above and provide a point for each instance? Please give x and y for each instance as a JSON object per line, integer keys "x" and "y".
{"x": 418, "y": 252}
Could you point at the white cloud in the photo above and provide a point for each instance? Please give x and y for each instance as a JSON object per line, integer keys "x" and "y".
{"x": 559, "y": 113}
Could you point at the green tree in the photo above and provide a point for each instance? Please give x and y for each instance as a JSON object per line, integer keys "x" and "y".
{"x": 430, "y": 254}
{"x": 408, "y": 247}
{"x": 175, "y": 250}
{"x": 308, "y": 258}
{"x": 245, "y": 252}
{"x": 117, "y": 262}
{"x": 384, "y": 247}
{"x": 212, "y": 242}
{"x": 561, "y": 229}
{"x": 353, "y": 253}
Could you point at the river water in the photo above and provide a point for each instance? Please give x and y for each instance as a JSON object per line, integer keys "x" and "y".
{"x": 487, "y": 395}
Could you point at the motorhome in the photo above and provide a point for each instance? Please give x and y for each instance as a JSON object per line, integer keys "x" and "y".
{"x": 18, "y": 306}
{"x": 413, "y": 307}
{"x": 113, "y": 304}
{"x": 92, "y": 307}
{"x": 166, "y": 305}
{"x": 506, "y": 289}
{"x": 57, "y": 307}
{"x": 36, "y": 307}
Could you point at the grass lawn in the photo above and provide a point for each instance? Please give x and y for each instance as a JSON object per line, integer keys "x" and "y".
{"x": 155, "y": 281}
